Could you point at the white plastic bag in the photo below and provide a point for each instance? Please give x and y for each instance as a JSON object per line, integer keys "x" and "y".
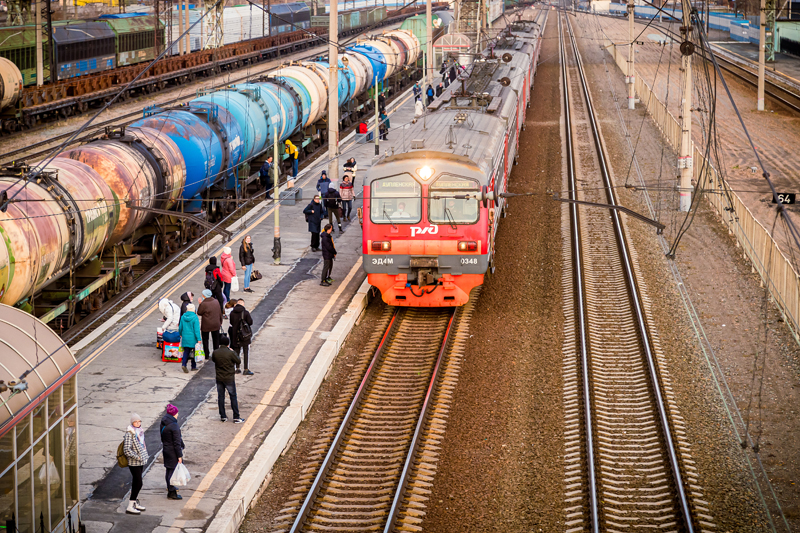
{"x": 235, "y": 284}
{"x": 181, "y": 476}
{"x": 199, "y": 353}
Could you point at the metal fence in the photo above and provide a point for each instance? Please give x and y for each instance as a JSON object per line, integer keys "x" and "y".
{"x": 768, "y": 260}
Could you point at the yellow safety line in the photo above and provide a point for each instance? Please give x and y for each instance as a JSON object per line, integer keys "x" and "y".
{"x": 212, "y": 474}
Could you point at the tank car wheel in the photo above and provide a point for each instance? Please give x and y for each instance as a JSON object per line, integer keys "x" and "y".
{"x": 95, "y": 302}
{"x": 158, "y": 249}
{"x": 30, "y": 121}
{"x": 125, "y": 279}
{"x": 194, "y": 232}
{"x": 173, "y": 243}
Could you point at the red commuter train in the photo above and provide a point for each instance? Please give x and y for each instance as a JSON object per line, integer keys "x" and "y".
{"x": 431, "y": 209}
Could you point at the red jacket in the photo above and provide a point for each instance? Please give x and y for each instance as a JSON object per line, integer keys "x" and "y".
{"x": 228, "y": 270}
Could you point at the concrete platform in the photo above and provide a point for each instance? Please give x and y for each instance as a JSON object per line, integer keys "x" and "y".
{"x": 785, "y": 68}
{"x": 293, "y": 315}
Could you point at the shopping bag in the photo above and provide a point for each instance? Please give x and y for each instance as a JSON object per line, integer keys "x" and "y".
{"x": 235, "y": 284}
{"x": 172, "y": 352}
{"x": 199, "y": 353}
{"x": 181, "y": 476}
{"x": 255, "y": 276}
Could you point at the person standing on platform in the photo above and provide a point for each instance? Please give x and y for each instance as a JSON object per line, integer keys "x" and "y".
{"x": 211, "y": 320}
{"x": 214, "y": 282}
{"x": 227, "y": 271}
{"x": 323, "y": 183}
{"x": 247, "y": 259}
{"x": 190, "y": 335}
{"x": 226, "y": 361}
{"x": 265, "y": 177}
{"x": 347, "y": 192}
{"x": 430, "y": 94}
{"x": 381, "y": 103}
{"x": 136, "y": 453}
{"x": 241, "y": 335}
{"x": 328, "y": 255}
{"x": 332, "y": 201}
{"x": 351, "y": 166}
{"x": 384, "y": 127}
{"x": 187, "y": 298}
{"x": 294, "y": 155}
{"x": 417, "y": 92}
{"x": 172, "y": 447}
{"x": 419, "y": 110}
{"x": 439, "y": 90}
{"x": 313, "y": 213}
{"x": 172, "y": 316}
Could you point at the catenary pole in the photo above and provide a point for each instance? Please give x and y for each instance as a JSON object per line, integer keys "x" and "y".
{"x": 333, "y": 93}
{"x": 685, "y": 157}
{"x": 428, "y": 44}
{"x": 276, "y": 242}
{"x": 377, "y": 119}
{"x": 762, "y": 38}
{"x": 631, "y": 57}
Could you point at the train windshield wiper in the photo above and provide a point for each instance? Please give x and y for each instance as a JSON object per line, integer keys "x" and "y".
{"x": 450, "y": 218}
{"x": 394, "y": 226}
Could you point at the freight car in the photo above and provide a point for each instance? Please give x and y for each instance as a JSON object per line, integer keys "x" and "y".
{"x": 432, "y": 208}
{"x": 70, "y": 234}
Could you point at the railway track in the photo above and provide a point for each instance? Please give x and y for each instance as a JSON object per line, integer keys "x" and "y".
{"x": 628, "y": 466}
{"x": 371, "y": 467}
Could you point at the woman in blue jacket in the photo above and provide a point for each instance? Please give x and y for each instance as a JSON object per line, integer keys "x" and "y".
{"x": 189, "y": 328}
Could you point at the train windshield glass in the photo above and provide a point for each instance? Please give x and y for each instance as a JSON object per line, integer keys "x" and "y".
{"x": 396, "y": 199}
{"x": 444, "y": 208}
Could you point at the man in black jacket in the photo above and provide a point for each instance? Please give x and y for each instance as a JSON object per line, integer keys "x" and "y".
{"x": 265, "y": 177}
{"x": 313, "y": 213}
{"x": 328, "y": 255}
{"x": 213, "y": 282}
{"x": 238, "y": 333}
{"x": 225, "y": 362}
{"x": 333, "y": 203}
{"x": 173, "y": 446}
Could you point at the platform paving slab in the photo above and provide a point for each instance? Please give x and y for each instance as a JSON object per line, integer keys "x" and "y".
{"x": 128, "y": 375}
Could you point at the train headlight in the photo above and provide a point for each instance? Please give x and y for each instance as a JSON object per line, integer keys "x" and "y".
{"x": 467, "y": 246}
{"x": 381, "y": 246}
{"x": 425, "y": 172}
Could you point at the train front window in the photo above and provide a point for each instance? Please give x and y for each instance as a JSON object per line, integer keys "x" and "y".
{"x": 395, "y": 200}
{"x": 444, "y": 204}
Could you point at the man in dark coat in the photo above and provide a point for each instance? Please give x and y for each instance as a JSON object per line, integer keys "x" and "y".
{"x": 381, "y": 103}
{"x": 313, "y": 213}
{"x": 239, "y": 342}
{"x": 265, "y": 177}
{"x": 333, "y": 203}
{"x": 225, "y": 363}
{"x": 173, "y": 446}
{"x": 328, "y": 255}
{"x": 186, "y": 299}
{"x": 214, "y": 279}
{"x": 211, "y": 320}
{"x": 429, "y": 93}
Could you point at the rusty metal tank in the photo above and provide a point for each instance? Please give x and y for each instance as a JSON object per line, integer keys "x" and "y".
{"x": 170, "y": 159}
{"x": 10, "y": 83}
{"x": 129, "y": 175}
{"x": 68, "y": 206}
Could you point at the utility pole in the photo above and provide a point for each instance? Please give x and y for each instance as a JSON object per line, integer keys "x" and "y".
{"x": 762, "y": 52}
{"x": 187, "y": 46}
{"x": 428, "y": 45}
{"x": 631, "y": 58}
{"x": 276, "y": 241}
{"x": 37, "y": 7}
{"x": 333, "y": 93}
{"x": 685, "y": 157}
{"x": 377, "y": 119}
{"x": 180, "y": 27}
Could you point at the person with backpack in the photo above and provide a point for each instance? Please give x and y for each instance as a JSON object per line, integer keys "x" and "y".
{"x": 214, "y": 282}
{"x": 429, "y": 92}
{"x": 172, "y": 447}
{"x": 225, "y": 363}
{"x": 417, "y": 92}
{"x": 190, "y": 335}
{"x": 332, "y": 204}
{"x": 384, "y": 126}
{"x": 247, "y": 259}
{"x": 241, "y": 334}
{"x": 227, "y": 271}
{"x": 265, "y": 177}
{"x": 313, "y": 213}
{"x": 135, "y": 456}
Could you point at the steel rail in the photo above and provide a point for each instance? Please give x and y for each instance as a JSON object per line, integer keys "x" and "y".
{"x": 394, "y": 511}
{"x": 337, "y": 440}
{"x": 580, "y": 298}
{"x": 635, "y": 295}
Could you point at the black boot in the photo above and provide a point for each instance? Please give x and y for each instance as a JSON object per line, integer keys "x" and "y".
{"x": 173, "y": 495}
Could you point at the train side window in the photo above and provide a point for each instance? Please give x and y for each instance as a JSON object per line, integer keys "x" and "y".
{"x": 396, "y": 199}
{"x": 445, "y": 208}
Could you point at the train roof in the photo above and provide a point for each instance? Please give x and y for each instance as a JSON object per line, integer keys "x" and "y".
{"x": 82, "y": 31}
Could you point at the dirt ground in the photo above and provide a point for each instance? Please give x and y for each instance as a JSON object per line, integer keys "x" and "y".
{"x": 501, "y": 467}
{"x": 761, "y": 367}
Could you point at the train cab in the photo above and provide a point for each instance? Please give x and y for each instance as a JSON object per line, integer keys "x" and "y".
{"x": 426, "y": 222}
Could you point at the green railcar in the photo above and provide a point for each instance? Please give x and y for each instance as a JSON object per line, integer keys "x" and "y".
{"x": 18, "y": 45}
{"x": 135, "y": 38}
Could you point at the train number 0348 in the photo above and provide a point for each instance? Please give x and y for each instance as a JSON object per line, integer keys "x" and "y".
{"x": 469, "y": 260}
